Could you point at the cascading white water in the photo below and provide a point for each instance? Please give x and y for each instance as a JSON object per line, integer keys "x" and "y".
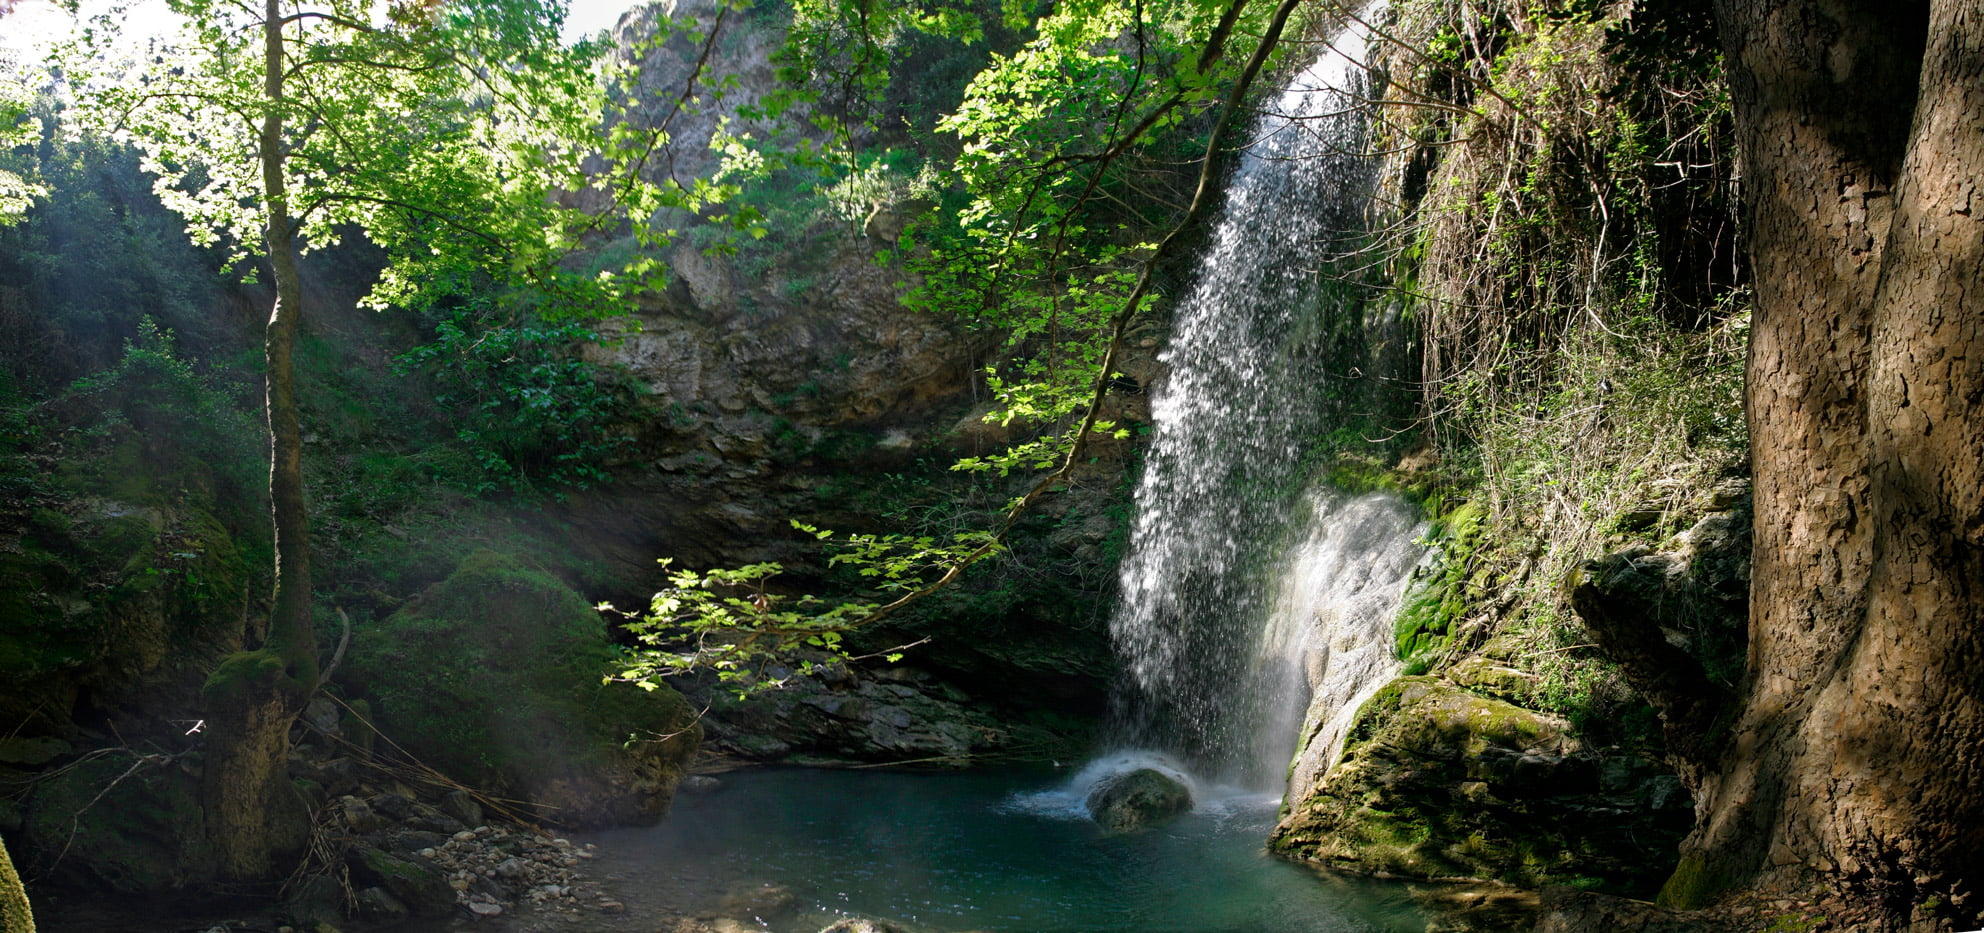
{"x": 1338, "y": 596}
{"x": 1223, "y": 639}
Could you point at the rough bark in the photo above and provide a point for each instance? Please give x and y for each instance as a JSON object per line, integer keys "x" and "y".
{"x": 15, "y": 917}
{"x": 255, "y": 696}
{"x": 1854, "y": 761}
{"x": 254, "y": 818}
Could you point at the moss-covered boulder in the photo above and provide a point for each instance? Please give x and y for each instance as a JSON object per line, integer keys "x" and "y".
{"x": 494, "y": 677}
{"x": 117, "y": 823}
{"x": 1439, "y": 782}
{"x": 15, "y": 917}
{"x": 104, "y": 602}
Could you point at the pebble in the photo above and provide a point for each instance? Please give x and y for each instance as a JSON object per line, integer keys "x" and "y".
{"x": 485, "y": 908}
{"x": 497, "y": 867}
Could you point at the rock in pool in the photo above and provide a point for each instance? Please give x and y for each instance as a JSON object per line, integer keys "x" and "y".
{"x": 1136, "y": 799}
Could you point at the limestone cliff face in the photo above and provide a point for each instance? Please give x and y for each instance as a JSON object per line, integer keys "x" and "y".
{"x": 787, "y": 380}
{"x": 768, "y": 368}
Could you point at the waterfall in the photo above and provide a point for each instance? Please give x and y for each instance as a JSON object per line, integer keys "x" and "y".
{"x": 1242, "y": 594}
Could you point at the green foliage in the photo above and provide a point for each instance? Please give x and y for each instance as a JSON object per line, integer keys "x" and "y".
{"x": 18, "y": 187}
{"x": 163, "y": 428}
{"x": 443, "y": 137}
{"x": 1591, "y": 200}
{"x": 529, "y": 411}
{"x": 1062, "y": 157}
{"x": 729, "y": 621}
{"x": 1584, "y": 325}
{"x": 98, "y": 254}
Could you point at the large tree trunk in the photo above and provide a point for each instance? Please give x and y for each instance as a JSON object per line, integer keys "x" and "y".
{"x": 255, "y": 696}
{"x": 1853, "y": 762}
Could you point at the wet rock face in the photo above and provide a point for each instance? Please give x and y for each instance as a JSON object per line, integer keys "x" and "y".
{"x": 1440, "y": 782}
{"x": 789, "y": 381}
{"x": 1137, "y": 799}
{"x": 794, "y": 355}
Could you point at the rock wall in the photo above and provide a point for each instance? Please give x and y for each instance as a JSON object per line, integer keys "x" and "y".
{"x": 787, "y": 380}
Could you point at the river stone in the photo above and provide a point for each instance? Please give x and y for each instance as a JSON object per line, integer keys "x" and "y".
{"x": 380, "y": 904}
{"x": 862, "y": 925}
{"x": 760, "y": 902}
{"x": 417, "y": 884}
{"x": 1137, "y": 799}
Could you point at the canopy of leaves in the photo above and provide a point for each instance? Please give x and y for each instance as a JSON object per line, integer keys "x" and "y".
{"x": 451, "y": 135}
{"x": 18, "y": 190}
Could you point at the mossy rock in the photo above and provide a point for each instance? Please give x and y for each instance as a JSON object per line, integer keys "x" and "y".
{"x": 494, "y": 677}
{"x": 15, "y": 915}
{"x": 112, "y": 823}
{"x": 415, "y": 881}
{"x": 111, "y": 602}
{"x": 1438, "y": 782}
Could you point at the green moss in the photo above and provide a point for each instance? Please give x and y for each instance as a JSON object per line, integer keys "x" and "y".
{"x": 1437, "y": 781}
{"x": 1433, "y": 604}
{"x": 1355, "y": 474}
{"x": 15, "y": 915}
{"x": 1693, "y": 885}
{"x": 494, "y": 676}
{"x": 243, "y": 672}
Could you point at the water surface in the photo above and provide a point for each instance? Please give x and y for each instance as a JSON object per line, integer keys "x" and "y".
{"x": 983, "y": 851}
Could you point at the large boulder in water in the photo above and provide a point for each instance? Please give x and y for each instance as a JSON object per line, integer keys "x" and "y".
{"x": 1136, "y": 799}
{"x": 494, "y": 677}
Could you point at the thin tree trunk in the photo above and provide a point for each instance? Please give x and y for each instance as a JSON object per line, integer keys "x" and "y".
{"x": 255, "y": 696}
